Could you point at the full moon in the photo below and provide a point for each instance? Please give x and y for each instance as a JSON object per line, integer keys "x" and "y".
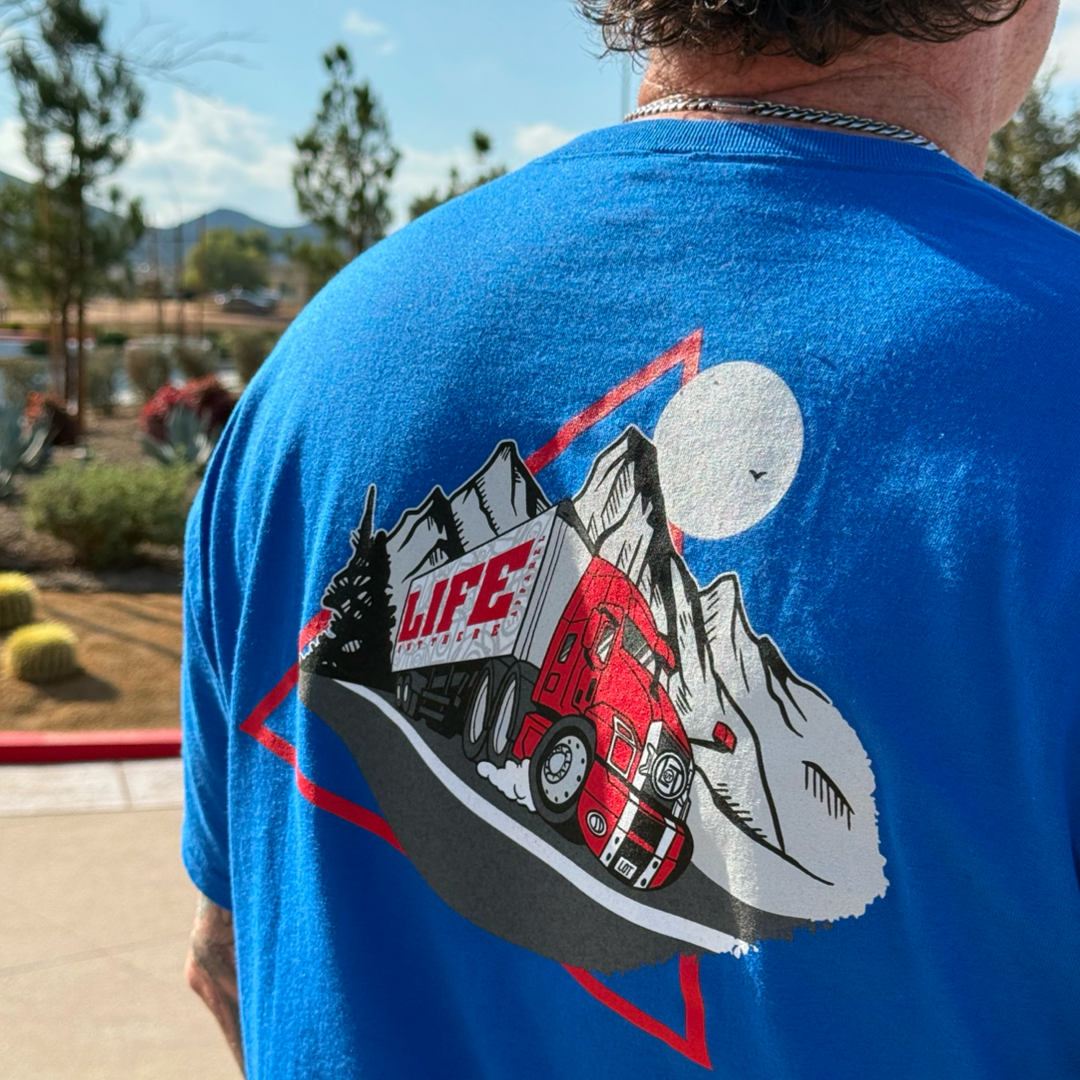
{"x": 728, "y": 445}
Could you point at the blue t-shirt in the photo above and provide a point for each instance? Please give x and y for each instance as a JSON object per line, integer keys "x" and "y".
{"x": 632, "y": 629}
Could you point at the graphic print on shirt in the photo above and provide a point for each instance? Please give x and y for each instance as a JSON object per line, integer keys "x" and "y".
{"x": 580, "y": 747}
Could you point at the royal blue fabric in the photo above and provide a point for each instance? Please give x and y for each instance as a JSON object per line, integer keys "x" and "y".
{"x": 924, "y": 569}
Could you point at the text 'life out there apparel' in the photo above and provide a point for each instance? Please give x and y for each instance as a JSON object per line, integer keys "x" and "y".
{"x": 632, "y": 630}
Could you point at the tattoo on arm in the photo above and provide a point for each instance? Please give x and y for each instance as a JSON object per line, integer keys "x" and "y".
{"x": 211, "y": 969}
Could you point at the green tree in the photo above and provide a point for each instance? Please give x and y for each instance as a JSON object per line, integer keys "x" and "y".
{"x": 78, "y": 101}
{"x": 346, "y": 161}
{"x": 321, "y": 261}
{"x": 225, "y": 257}
{"x": 457, "y": 184}
{"x": 35, "y": 243}
{"x": 1034, "y": 157}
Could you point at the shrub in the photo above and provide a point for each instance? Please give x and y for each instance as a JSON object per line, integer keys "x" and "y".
{"x": 148, "y": 369}
{"x": 106, "y": 511}
{"x": 103, "y": 377}
{"x": 63, "y": 428}
{"x": 249, "y": 349}
{"x": 21, "y": 378}
{"x": 36, "y": 347}
{"x": 193, "y": 360}
{"x": 17, "y": 596}
{"x": 44, "y": 652}
{"x": 114, "y": 338}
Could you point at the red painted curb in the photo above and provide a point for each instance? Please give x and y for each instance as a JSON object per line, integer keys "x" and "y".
{"x": 50, "y": 747}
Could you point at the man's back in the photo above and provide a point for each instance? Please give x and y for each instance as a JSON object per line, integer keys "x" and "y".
{"x": 660, "y": 570}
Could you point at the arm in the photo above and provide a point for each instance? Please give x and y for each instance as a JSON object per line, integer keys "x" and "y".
{"x": 211, "y": 969}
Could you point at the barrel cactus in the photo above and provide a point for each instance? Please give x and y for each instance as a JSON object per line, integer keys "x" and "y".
{"x": 17, "y": 594}
{"x": 43, "y": 652}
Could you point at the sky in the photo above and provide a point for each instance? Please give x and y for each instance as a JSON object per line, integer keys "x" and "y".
{"x": 527, "y": 74}
{"x": 530, "y": 75}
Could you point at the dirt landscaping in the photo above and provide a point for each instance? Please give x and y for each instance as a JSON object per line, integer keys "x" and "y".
{"x": 129, "y": 650}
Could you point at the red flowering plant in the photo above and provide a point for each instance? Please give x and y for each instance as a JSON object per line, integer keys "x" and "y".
{"x": 52, "y": 409}
{"x": 182, "y": 424}
{"x": 210, "y": 400}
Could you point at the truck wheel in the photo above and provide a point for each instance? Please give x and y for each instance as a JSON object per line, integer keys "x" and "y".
{"x": 474, "y": 734}
{"x": 507, "y": 714}
{"x": 406, "y": 696}
{"x": 558, "y": 770}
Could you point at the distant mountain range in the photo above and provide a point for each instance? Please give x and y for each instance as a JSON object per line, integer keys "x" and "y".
{"x": 162, "y": 243}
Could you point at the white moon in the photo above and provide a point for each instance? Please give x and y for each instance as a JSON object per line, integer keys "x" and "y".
{"x": 729, "y": 445}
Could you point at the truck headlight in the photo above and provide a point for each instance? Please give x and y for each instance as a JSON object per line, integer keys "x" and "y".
{"x": 670, "y": 776}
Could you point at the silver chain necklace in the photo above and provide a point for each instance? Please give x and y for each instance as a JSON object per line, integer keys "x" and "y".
{"x": 775, "y": 111}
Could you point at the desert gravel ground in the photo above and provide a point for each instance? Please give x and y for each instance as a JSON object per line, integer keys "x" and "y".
{"x": 129, "y": 650}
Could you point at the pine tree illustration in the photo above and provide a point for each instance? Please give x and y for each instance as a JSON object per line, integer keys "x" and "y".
{"x": 356, "y": 644}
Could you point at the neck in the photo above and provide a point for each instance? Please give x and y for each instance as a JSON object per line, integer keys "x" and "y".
{"x": 953, "y": 94}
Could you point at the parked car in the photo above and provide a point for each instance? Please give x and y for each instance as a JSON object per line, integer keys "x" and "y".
{"x": 239, "y": 301}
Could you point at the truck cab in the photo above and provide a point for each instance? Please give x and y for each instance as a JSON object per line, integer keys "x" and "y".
{"x": 607, "y": 663}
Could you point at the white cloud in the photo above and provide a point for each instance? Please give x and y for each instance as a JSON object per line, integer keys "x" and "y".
{"x": 362, "y": 26}
{"x": 355, "y": 23}
{"x": 12, "y": 159}
{"x": 422, "y": 171}
{"x": 534, "y": 140}
{"x": 210, "y": 154}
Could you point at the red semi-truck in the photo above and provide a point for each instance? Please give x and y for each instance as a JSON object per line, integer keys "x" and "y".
{"x": 537, "y": 651}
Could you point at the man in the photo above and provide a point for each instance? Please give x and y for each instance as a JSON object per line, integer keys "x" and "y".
{"x": 632, "y": 621}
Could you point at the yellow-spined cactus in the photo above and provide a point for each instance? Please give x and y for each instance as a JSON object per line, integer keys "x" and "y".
{"x": 17, "y": 596}
{"x": 42, "y": 652}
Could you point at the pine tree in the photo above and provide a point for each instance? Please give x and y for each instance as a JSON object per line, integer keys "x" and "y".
{"x": 1034, "y": 157}
{"x": 78, "y": 101}
{"x": 457, "y": 184}
{"x": 347, "y": 161}
{"x": 357, "y": 643}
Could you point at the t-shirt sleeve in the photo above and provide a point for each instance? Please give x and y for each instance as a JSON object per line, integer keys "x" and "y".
{"x": 205, "y": 832}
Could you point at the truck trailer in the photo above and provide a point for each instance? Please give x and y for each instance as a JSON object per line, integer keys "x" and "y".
{"x": 532, "y": 649}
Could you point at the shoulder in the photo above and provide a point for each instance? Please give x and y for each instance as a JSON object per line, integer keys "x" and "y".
{"x": 997, "y": 235}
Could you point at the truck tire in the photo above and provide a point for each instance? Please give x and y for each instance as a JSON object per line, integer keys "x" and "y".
{"x": 406, "y": 695}
{"x": 506, "y": 712}
{"x": 477, "y": 715}
{"x": 558, "y": 770}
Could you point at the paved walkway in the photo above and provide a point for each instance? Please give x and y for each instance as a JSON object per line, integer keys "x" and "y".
{"x": 95, "y": 911}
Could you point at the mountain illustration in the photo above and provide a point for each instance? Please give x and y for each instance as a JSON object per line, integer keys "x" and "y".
{"x": 423, "y": 538}
{"x": 791, "y": 793}
{"x": 500, "y": 496}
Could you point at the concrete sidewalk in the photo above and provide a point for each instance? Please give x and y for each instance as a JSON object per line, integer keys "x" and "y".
{"x": 95, "y": 911}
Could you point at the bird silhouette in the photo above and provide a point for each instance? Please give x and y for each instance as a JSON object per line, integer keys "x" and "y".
{"x": 759, "y": 475}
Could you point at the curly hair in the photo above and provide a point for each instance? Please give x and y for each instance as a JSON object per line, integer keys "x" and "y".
{"x": 813, "y": 30}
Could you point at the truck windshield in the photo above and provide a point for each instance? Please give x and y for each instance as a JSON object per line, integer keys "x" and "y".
{"x": 635, "y": 643}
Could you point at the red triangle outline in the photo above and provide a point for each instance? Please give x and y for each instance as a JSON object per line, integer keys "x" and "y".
{"x": 694, "y": 1043}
